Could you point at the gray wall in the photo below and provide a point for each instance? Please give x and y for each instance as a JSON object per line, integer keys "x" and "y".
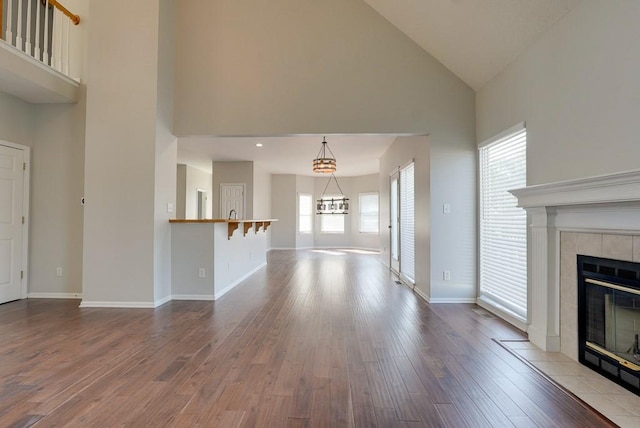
{"x": 233, "y": 173}
{"x": 283, "y": 208}
{"x": 294, "y": 67}
{"x": 578, "y": 90}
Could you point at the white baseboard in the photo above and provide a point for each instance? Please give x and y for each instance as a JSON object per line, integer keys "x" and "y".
{"x": 131, "y": 305}
{"x": 162, "y": 301}
{"x": 452, "y": 300}
{"x": 238, "y": 281}
{"x": 421, "y": 294}
{"x": 192, "y": 297}
{"x": 501, "y": 313}
{"x": 54, "y": 296}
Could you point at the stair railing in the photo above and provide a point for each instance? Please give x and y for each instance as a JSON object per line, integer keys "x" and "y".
{"x": 39, "y": 29}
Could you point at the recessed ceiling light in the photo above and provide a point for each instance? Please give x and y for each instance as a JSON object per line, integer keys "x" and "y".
{"x": 258, "y": 144}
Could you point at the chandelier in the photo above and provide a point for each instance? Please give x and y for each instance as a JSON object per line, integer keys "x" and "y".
{"x": 323, "y": 163}
{"x": 332, "y": 204}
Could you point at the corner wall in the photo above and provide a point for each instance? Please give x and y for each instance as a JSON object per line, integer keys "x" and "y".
{"x": 578, "y": 90}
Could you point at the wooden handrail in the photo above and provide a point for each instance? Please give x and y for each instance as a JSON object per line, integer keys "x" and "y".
{"x": 74, "y": 18}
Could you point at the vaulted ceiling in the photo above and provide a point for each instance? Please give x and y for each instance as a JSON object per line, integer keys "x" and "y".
{"x": 474, "y": 39}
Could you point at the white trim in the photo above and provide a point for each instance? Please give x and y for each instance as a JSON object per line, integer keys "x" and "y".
{"x": 610, "y": 188}
{"x": 129, "y": 305}
{"x": 208, "y": 297}
{"x": 238, "y": 281}
{"x": 162, "y": 301}
{"x": 504, "y": 134}
{"x": 452, "y": 300}
{"x": 421, "y": 294}
{"x": 26, "y": 192}
{"x": 502, "y": 313}
{"x": 54, "y": 296}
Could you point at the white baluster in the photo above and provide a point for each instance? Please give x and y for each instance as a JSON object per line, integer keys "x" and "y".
{"x": 67, "y": 55}
{"x": 55, "y": 41}
{"x": 19, "y": 44}
{"x": 45, "y": 54}
{"x": 9, "y": 34}
{"x": 36, "y": 52}
{"x": 27, "y": 46}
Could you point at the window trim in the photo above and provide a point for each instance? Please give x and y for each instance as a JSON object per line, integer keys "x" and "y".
{"x": 344, "y": 225}
{"x": 377, "y": 213}
{"x": 310, "y": 215}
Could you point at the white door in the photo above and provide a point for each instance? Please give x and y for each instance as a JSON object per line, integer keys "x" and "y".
{"x": 231, "y": 198}
{"x": 394, "y": 227}
{"x": 11, "y": 187}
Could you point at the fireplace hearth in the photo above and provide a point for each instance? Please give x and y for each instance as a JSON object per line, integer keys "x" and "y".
{"x": 609, "y": 318}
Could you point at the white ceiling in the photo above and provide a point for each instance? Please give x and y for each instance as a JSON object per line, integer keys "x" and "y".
{"x": 355, "y": 154}
{"x": 475, "y": 39}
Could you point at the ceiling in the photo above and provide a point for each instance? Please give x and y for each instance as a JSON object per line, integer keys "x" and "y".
{"x": 474, "y": 39}
{"x": 355, "y": 154}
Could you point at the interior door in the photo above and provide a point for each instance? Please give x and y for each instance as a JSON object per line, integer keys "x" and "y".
{"x": 394, "y": 217}
{"x": 11, "y": 187}
{"x": 231, "y": 198}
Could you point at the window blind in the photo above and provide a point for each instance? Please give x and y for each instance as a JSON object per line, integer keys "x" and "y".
{"x": 407, "y": 223}
{"x": 503, "y": 226}
{"x": 305, "y": 213}
{"x": 368, "y": 206}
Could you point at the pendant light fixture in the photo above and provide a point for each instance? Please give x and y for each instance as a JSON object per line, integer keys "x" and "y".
{"x": 332, "y": 204}
{"x": 323, "y": 163}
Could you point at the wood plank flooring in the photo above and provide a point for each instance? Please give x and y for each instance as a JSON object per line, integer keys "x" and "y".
{"x": 324, "y": 339}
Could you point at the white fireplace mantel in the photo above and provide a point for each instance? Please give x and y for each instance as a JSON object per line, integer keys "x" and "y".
{"x": 613, "y": 188}
{"x": 608, "y": 203}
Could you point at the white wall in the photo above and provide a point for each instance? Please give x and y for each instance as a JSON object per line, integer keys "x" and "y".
{"x": 123, "y": 228}
{"x": 166, "y": 154}
{"x": 308, "y": 67}
{"x": 402, "y": 151}
{"x": 57, "y": 174}
{"x": 197, "y": 179}
{"x": 16, "y": 120}
{"x": 304, "y": 184}
{"x": 233, "y": 173}
{"x": 364, "y": 184}
{"x": 261, "y": 192}
{"x": 578, "y": 90}
{"x": 283, "y": 208}
{"x": 181, "y": 191}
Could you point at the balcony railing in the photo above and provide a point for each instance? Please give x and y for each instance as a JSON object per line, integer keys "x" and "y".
{"x": 41, "y": 29}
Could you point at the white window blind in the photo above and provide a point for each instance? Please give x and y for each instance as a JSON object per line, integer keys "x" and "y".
{"x": 305, "y": 213}
{"x": 368, "y": 206}
{"x": 503, "y": 226}
{"x": 407, "y": 223}
{"x": 332, "y": 223}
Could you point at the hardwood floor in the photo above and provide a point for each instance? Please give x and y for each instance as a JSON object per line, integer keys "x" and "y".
{"x": 323, "y": 339}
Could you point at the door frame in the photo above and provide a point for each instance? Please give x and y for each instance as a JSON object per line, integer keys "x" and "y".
{"x": 244, "y": 198}
{"x": 26, "y": 186}
{"x": 394, "y": 174}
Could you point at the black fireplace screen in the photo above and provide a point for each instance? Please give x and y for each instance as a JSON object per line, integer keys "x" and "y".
{"x": 609, "y": 318}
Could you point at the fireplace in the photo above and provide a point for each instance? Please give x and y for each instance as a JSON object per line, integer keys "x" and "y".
{"x": 609, "y": 318}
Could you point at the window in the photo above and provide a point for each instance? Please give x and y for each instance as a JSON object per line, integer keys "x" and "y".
{"x": 368, "y": 212}
{"x": 305, "y": 213}
{"x": 407, "y": 223}
{"x": 332, "y": 223}
{"x": 503, "y": 226}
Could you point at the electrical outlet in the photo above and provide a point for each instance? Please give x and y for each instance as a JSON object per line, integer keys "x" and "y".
{"x": 59, "y": 271}
{"x": 446, "y": 208}
{"x": 201, "y": 273}
{"x": 446, "y": 275}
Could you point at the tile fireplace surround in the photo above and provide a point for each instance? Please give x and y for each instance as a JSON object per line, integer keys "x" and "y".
{"x": 596, "y": 216}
